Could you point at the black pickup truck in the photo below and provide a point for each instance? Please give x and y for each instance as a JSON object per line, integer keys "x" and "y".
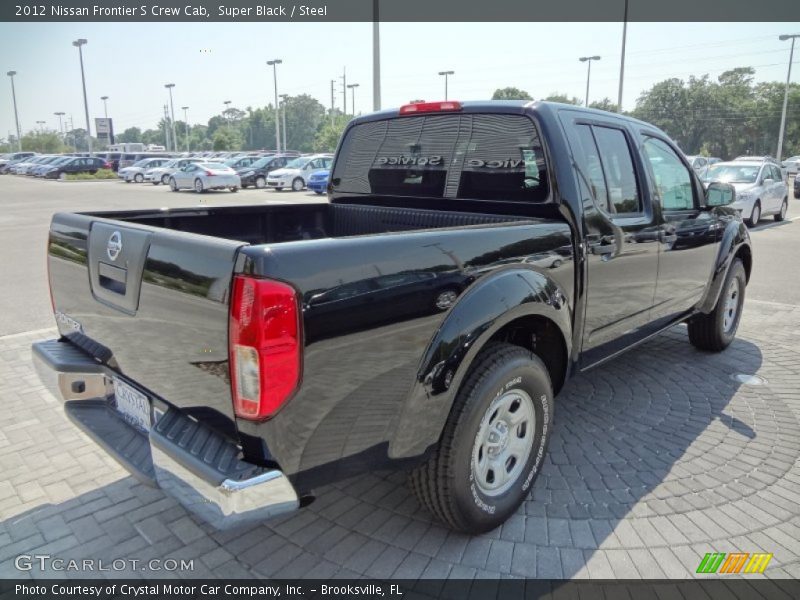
{"x": 471, "y": 257}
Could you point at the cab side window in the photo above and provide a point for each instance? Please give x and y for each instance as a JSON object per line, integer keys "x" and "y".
{"x": 623, "y": 192}
{"x": 671, "y": 179}
{"x": 593, "y": 167}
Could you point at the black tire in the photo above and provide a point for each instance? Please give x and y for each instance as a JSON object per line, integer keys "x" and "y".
{"x": 781, "y": 216}
{"x": 446, "y": 484}
{"x": 261, "y": 182}
{"x": 708, "y": 332}
{"x": 234, "y": 189}
{"x": 198, "y": 186}
{"x": 295, "y": 186}
{"x": 138, "y": 178}
{"x": 165, "y": 179}
{"x": 156, "y": 182}
{"x": 755, "y": 215}
{"x": 173, "y": 185}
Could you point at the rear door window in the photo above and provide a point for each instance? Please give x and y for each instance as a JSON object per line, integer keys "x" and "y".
{"x": 469, "y": 156}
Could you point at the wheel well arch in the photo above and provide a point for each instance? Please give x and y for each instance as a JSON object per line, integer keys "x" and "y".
{"x": 746, "y": 256}
{"x": 542, "y": 337}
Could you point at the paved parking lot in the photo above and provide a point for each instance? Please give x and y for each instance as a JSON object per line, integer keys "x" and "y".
{"x": 656, "y": 458}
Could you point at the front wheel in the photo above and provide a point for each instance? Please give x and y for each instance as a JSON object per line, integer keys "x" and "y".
{"x": 297, "y": 184}
{"x": 165, "y": 179}
{"x": 173, "y": 185}
{"x": 781, "y": 216}
{"x": 261, "y": 183}
{"x": 493, "y": 443}
{"x": 716, "y": 330}
{"x": 755, "y": 216}
{"x": 198, "y": 186}
{"x": 234, "y": 189}
{"x": 138, "y": 178}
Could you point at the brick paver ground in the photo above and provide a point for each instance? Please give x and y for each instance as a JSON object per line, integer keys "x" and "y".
{"x": 656, "y": 459}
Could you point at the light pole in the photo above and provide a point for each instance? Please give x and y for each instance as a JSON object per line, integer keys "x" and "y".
{"x": 60, "y": 122}
{"x": 105, "y": 105}
{"x": 446, "y": 75}
{"x": 283, "y": 101}
{"x": 353, "y": 87}
{"x": 169, "y": 86}
{"x": 41, "y": 125}
{"x": 783, "y": 38}
{"x": 79, "y": 45}
{"x": 376, "y": 57}
{"x": 622, "y": 59}
{"x": 274, "y": 64}
{"x": 185, "y": 110}
{"x": 588, "y": 59}
{"x": 16, "y": 115}
{"x": 227, "y": 104}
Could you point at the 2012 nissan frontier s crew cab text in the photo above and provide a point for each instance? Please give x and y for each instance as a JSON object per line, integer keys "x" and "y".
{"x": 471, "y": 257}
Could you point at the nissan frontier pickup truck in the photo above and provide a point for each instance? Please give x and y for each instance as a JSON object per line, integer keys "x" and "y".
{"x": 470, "y": 258}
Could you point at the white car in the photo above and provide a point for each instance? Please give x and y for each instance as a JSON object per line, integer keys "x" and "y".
{"x": 296, "y": 173}
{"x": 792, "y": 165}
{"x": 137, "y": 170}
{"x": 760, "y": 188}
{"x": 161, "y": 174}
{"x": 698, "y": 163}
{"x": 205, "y": 176}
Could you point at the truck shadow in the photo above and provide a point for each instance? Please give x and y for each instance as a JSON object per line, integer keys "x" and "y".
{"x": 640, "y": 445}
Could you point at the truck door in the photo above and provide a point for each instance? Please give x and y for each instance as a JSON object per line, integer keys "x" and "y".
{"x": 689, "y": 234}
{"x": 621, "y": 235}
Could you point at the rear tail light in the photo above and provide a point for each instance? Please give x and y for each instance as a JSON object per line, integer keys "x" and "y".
{"x": 106, "y": 165}
{"x": 265, "y": 346}
{"x": 429, "y": 107}
{"x": 209, "y": 173}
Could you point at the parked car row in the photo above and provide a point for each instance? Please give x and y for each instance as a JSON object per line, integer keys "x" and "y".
{"x": 53, "y": 166}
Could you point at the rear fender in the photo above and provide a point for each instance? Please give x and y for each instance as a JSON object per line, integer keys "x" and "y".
{"x": 734, "y": 237}
{"x": 481, "y": 312}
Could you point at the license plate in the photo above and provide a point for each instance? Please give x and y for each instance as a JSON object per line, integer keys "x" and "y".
{"x": 132, "y": 405}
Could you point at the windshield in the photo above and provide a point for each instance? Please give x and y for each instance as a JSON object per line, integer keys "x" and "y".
{"x": 171, "y": 163}
{"x": 142, "y": 163}
{"x": 61, "y": 160}
{"x": 261, "y": 162}
{"x": 298, "y": 163}
{"x": 732, "y": 173}
{"x": 216, "y": 166}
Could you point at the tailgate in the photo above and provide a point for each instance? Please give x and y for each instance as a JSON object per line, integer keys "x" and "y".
{"x": 151, "y": 303}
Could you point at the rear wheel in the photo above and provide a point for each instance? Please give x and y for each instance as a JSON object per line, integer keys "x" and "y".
{"x": 173, "y": 185}
{"x": 62, "y": 176}
{"x": 138, "y": 178}
{"x": 755, "y": 216}
{"x": 784, "y": 207}
{"x": 198, "y": 186}
{"x": 493, "y": 442}
{"x": 297, "y": 184}
{"x": 715, "y": 331}
{"x": 261, "y": 182}
{"x": 234, "y": 189}
{"x": 165, "y": 179}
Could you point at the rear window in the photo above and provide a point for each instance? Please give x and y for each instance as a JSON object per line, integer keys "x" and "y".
{"x": 468, "y": 156}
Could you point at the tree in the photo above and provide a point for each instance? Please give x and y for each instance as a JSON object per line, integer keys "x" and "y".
{"x": 304, "y": 115}
{"x": 511, "y": 93}
{"x": 226, "y": 139}
{"x": 329, "y": 133}
{"x": 131, "y": 134}
{"x": 47, "y": 142}
{"x": 563, "y": 98}
{"x": 604, "y": 104}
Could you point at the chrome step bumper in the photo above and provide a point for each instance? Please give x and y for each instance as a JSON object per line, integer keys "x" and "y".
{"x": 189, "y": 461}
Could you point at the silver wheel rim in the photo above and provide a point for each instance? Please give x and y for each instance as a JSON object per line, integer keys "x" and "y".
{"x": 756, "y": 214}
{"x": 173, "y": 185}
{"x": 297, "y": 185}
{"x": 261, "y": 183}
{"x": 446, "y": 299}
{"x": 783, "y": 209}
{"x": 139, "y": 178}
{"x": 731, "y": 306}
{"x": 198, "y": 186}
{"x": 164, "y": 179}
{"x": 504, "y": 442}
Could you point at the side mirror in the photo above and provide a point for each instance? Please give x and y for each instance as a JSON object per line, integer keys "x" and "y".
{"x": 768, "y": 181}
{"x": 720, "y": 194}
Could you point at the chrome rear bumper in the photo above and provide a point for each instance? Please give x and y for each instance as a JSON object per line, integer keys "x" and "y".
{"x": 190, "y": 462}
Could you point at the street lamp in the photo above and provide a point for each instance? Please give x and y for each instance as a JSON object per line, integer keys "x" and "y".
{"x": 283, "y": 101}
{"x": 783, "y": 38}
{"x": 588, "y": 59}
{"x": 79, "y": 45}
{"x": 169, "y": 86}
{"x": 274, "y": 64}
{"x": 353, "y": 87}
{"x": 16, "y": 116}
{"x": 40, "y": 124}
{"x": 186, "y": 123}
{"x": 446, "y": 75}
{"x": 227, "y": 104}
{"x": 60, "y": 122}
{"x": 105, "y": 105}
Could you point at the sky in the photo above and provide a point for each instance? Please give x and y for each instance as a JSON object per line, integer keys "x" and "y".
{"x": 210, "y": 63}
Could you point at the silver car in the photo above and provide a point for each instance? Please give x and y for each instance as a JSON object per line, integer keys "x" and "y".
{"x": 161, "y": 174}
{"x": 204, "y": 176}
{"x": 137, "y": 170}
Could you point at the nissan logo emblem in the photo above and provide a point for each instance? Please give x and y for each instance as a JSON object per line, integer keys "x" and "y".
{"x": 114, "y": 246}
